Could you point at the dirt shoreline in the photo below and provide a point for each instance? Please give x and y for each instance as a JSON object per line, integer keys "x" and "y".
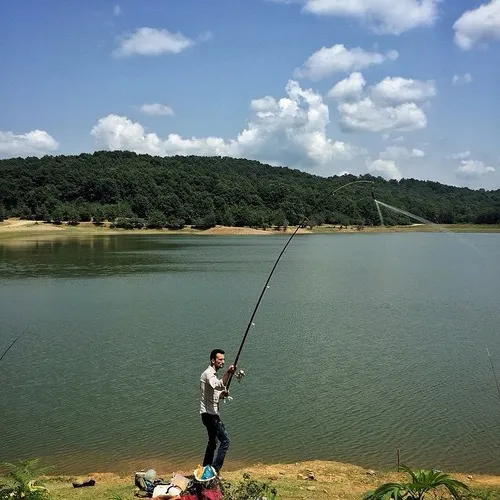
{"x": 15, "y": 228}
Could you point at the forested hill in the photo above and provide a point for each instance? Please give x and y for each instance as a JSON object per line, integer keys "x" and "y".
{"x": 203, "y": 191}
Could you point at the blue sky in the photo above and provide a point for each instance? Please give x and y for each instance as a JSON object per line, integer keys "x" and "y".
{"x": 398, "y": 89}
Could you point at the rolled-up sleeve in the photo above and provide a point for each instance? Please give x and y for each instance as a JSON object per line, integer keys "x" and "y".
{"x": 215, "y": 383}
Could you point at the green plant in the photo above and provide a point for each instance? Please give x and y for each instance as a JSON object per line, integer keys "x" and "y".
{"x": 247, "y": 489}
{"x": 422, "y": 482}
{"x": 24, "y": 481}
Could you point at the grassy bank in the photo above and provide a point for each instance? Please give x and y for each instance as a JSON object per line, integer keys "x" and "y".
{"x": 332, "y": 480}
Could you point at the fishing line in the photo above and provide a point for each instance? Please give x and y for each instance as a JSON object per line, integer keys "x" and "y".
{"x": 15, "y": 340}
{"x": 266, "y": 284}
{"x": 494, "y": 374}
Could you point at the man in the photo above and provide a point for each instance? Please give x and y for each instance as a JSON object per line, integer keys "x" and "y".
{"x": 212, "y": 390}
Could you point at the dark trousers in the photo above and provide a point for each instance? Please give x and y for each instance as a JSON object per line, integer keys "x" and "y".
{"x": 216, "y": 432}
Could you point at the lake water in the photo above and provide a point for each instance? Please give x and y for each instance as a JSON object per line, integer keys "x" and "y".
{"x": 363, "y": 344}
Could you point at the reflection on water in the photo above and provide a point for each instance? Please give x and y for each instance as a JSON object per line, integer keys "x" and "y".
{"x": 363, "y": 344}
{"x": 92, "y": 256}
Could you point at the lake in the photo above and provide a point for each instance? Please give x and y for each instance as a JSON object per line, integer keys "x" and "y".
{"x": 363, "y": 344}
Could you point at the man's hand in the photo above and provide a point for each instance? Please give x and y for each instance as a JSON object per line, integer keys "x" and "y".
{"x": 224, "y": 394}
{"x": 231, "y": 369}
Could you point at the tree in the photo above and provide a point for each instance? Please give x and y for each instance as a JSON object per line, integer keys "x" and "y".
{"x": 98, "y": 215}
{"x": 422, "y": 482}
{"x": 174, "y": 223}
{"x": 156, "y": 220}
{"x": 2, "y": 213}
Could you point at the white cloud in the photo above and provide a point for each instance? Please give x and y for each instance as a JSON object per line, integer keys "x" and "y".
{"x": 34, "y": 143}
{"x": 157, "y": 109}
{"x": 401, "y": 153}
{"x": 289, "y": 131}
{"x": 387, "y": 137}
{"x": 473, "y": 169}
{"x": 385, "y": 168}
{"x": 117, "y": 11}
{"x": 459, "y": 156}
{"x": 205, "y": 36}
{"x": 478, "y": 24}
{"x": 349, "y": 88}
{"x": 152, "y": 42}
{"x": 398, "y": 89}
{"x": 384, "y": 16}
{"x": 462, "y": 79}
{"x": 368, "y": 116}
{"x": 329, "y": 60}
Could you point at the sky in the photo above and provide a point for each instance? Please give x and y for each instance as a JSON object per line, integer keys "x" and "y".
{"x": 396, "y": 88}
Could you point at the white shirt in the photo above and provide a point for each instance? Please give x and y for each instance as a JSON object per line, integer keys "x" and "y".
{"x": 210, "y": 389}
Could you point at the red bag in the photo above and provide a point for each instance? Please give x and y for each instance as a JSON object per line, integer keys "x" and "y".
{"x": 211, "y": 494}
{"x": 189, "y": 496}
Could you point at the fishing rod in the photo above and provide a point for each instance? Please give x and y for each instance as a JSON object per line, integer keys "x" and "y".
{"x": 15, "y": 340}
{"x": 240, "y": 374}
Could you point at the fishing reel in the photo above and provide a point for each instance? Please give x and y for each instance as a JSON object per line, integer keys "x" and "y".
{"x": 239, "y": 375}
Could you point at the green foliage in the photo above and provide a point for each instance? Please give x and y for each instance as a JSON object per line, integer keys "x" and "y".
{"x": 24, "y": 481}
{"x": 247, "y": 489}
{"x": 422, "y": 482}
{"x": 156, "y": 220}
{"x": 129, "y": 223}
{"x": 212, "y": 190}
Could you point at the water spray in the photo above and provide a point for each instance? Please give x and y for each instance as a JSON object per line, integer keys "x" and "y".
{"x": 239, "y": 375}
{"x": 14, "y": 341}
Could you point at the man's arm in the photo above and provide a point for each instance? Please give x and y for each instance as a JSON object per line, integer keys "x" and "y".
{"x": 225, "y": 377}
{"x": 220, "y": 384}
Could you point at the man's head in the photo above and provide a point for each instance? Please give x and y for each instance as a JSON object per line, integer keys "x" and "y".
{"x": 217, "y": 358}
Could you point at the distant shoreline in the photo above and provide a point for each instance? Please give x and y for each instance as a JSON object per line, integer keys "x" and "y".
{"x": 15, "y": 228}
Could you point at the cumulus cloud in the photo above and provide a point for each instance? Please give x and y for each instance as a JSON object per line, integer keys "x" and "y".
{"x": 473, "y": 169}
{"x": 329, "y": 60}
{"x": 348, "y": 89}
{"x": 157, "y": 109}
{"x": 463, "y": 155}
{"x": 34, "y": 143}
{"x": 398, "y": 89}
{"x": 461, "y": 79}
{"x": 385, "y": 168}
{"x": 152, "y": 42}
{"x": 390, "y": 105}
{"x": 401, "y": 153}
{"x": 388, "y": 136}
{"x": 384, "y": 16}
{"x": 290, "y": 131}
{"x": 478, "y": 24}
{"x": 367, "y": 115}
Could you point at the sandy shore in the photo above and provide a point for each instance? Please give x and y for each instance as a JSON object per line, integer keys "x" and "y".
{"x": 15, "y": 228}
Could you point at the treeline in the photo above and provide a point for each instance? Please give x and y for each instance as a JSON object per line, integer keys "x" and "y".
{"x": 134, "y": 190}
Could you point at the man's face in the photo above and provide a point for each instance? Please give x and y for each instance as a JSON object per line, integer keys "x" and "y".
{"x": 219, "y": 361}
